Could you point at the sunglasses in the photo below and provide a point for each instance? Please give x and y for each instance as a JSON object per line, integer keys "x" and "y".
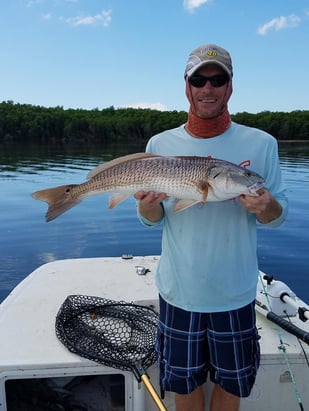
{"x": 216, "y": 81}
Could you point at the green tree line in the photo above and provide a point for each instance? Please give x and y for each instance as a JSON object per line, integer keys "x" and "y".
{"x": 44, "y": 125}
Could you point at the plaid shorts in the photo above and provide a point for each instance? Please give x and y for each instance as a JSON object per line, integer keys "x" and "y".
{"x": 190, "y": 344}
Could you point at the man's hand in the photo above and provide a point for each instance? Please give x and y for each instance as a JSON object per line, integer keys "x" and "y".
{"x": 149, "y": 205}
{"x": 264, "y": 206}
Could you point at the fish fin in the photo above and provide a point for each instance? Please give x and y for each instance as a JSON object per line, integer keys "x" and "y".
{"x": 58, "y": 198}
{"x": 183, "y": 204}
{"x": 203, "y": 187}
{"x": 116, "y": 199}
{"x": 116, "y": 161}
{"x": 205, "y": 194}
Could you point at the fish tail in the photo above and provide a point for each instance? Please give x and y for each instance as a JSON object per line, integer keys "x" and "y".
{"x": 59, "y": 199}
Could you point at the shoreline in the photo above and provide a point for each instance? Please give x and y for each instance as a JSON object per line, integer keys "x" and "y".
{"x": 293, "y": 141}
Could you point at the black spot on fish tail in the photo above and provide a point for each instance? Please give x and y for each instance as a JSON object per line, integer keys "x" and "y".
{"x": 59, "y": 200}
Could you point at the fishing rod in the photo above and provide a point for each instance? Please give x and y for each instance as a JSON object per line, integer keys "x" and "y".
{"x": 275, "y": 301}
{"x": 271, "y": 300}
{"x": 284, "y": 324}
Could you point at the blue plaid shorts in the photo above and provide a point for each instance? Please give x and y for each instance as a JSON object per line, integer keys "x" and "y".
{"x": 190, "y": 345}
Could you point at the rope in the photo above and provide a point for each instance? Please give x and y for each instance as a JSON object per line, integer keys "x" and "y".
{"x": 283, "y": 349}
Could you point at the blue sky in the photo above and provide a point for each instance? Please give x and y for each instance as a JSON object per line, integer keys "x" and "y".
{"x": 132, "y": 53}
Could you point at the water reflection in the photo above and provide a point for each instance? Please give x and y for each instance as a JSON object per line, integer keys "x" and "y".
{"x": 15, "y": 157}
{"x": 283, "y": 252}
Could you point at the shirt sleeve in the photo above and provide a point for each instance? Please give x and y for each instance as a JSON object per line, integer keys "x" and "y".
{"x": 145, "y": 221}
{"x": 274, "y": 183}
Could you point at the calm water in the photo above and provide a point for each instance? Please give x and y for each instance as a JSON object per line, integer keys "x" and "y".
{"x": 91, "y": 230}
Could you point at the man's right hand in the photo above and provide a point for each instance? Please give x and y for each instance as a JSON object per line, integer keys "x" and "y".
{"x": 149, "y": 205}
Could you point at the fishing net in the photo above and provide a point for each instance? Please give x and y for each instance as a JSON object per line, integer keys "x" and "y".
{"x": 117, "y": 334}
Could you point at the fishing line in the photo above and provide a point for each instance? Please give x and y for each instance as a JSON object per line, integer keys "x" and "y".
{"x": 283, "y": 349}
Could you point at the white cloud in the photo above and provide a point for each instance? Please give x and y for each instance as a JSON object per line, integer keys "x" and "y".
{"x": 47, "y": 16}
{"x": 279, "y": 23}
{"x": 102, "y": 19}
{"x": 152, "y": 106}
{"x": 191, "y": 5}
{"x": 31, "y": 3}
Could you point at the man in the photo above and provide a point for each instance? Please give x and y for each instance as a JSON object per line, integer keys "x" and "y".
{"x": 208, "y": 269}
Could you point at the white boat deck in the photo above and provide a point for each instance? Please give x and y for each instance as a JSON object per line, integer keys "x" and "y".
{"x": 28, "y": 343}
{"x": 37, "y": 299}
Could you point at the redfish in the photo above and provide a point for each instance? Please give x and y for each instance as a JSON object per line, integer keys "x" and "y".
{"x": 189, "y": 179}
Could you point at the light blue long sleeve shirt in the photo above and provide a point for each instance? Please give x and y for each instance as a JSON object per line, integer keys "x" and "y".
{"x": 208, "y": 261}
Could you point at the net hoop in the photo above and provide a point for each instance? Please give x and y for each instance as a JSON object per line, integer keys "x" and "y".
{"x": 114, "y": 333}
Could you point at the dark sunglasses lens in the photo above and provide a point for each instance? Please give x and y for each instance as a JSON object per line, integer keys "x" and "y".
{"x": 197, "y": 81}
{"x": 218, "y": 81}
{"x": 215, "y": 81}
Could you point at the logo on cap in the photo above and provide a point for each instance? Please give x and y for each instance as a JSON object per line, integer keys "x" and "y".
{"x": 212, "y": 53}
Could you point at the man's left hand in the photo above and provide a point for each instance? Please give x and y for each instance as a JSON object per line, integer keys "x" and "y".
{"x": 264, "y": 206}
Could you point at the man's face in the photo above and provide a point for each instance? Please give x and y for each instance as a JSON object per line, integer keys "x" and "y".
{"x": 209, "y": 100}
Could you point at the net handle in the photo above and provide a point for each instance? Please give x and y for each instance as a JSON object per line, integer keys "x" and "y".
{"x": 141, "y": 375}
{"x": 153, "y": 393}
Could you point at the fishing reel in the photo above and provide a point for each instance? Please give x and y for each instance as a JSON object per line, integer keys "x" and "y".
{"x": 272, "y": 294}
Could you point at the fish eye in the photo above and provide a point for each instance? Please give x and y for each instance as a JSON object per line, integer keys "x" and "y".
{"x": 214, "y": 171}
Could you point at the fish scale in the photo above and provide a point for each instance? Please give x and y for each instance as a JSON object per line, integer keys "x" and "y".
{"x": 147, "y": 175}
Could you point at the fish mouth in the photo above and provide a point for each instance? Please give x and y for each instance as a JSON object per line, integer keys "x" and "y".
{"x": 255, "y": 187}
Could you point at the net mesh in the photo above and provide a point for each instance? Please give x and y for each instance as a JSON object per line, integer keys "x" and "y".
{"x": 116, "y": 334}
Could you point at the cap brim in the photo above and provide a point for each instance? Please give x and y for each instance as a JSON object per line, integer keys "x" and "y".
{"x": 190, "y": 72}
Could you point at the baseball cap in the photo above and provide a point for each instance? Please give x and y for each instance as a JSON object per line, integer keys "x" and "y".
{"x": 207, "y": 54}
